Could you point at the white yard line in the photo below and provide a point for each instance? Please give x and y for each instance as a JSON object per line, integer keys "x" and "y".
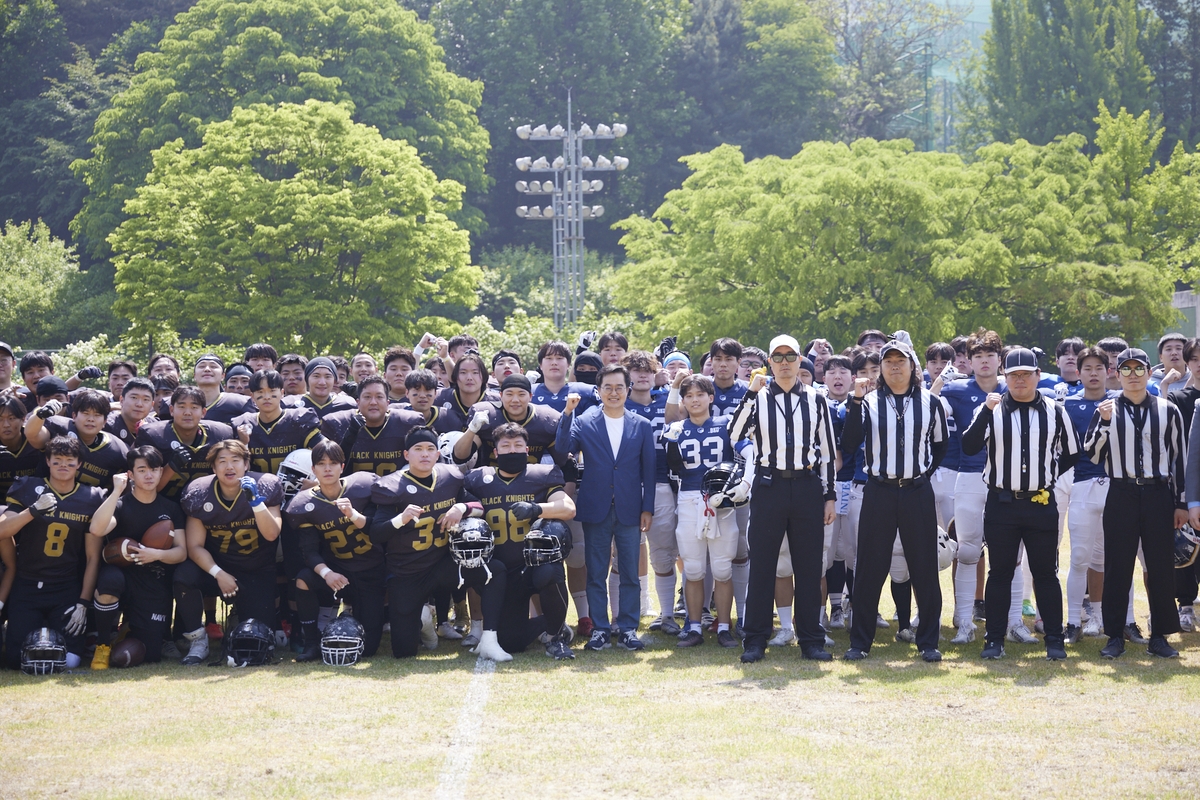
{"x": 452, "y": 782}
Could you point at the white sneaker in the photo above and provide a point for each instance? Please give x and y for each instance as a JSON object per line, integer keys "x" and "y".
{"x": 489, "y": 648}
{"x": 1019, "y": 633}
{"x": 915, "y": 621}
{"x": 429, "y": 637}
{"x": 828, "y": 640}
{"x": 1092, "y": 626}
{"x": 446, "y": 631}
{"x": 965, "y": 635}
{"x": 825, "y": 620}
{"x": 1187, "y": 619}
{"x": 837, "y": 619}
{"x": 197, "y": 647}
{"x": 880, "y": 622}
{"x": 907, "y": 635}
{"x": 471, "y": 639}
{"x": 785, "y": 637}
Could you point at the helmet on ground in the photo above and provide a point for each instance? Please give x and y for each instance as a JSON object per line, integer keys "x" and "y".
{"x": 250, "y": 644}
{"x": 343, "y": 642}
{"x": 548, "y": 541}
{"x": 44, "y": 652}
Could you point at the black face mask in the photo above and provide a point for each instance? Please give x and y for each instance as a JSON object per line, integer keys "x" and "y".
{"x": 587, "y": 376}
{"x": 512, "y": 463}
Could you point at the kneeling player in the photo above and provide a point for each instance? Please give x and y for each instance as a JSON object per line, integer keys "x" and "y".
{"x": 142, "y": 590}
{"x": 512, "y": 495}
{"x": 56, "y": 559}
{"x": 415, "y": 508}
{"x": 330, "y": 520}
{"x": 233, "y": 521}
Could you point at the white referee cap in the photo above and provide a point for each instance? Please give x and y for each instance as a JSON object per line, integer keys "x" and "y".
{"x": 783, "y": 340}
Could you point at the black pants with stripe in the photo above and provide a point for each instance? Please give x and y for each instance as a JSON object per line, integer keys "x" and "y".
{"x": 912, "y": 510}
{"x": 795, "y": 508}
{"x": 1142, "y": 515}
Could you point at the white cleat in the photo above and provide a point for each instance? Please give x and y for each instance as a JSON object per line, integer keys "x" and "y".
{"x": 446, "y": 631}
{"x": 1092, "y": 627}
{"x": 197, "y": 647}
{"x": 785, "y": 637}
{"x": 429, "y": 637}
{"x": 1021, "y": 634}
{"x": 1187, "y": 619}
{"x": 965, "y": 635}
{"x": 489, "y": 648}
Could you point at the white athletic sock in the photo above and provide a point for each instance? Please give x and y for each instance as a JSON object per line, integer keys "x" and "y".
{"x": 581, "y": 604}
{"x": 835, "y": 600}
{"x": 708, "y": 586}
{"x": 1129, "y": 619}
{"x": 1027, "y": 576}
{"x": 741, "y": 581}
{"x": 1014, "y": 606}
{"x": 1076, "y": 587}
{"x": 785, "y": 618}
{"x": 1098, "y": 612}
{"x": 722, "y": 626}
{"x": 644, "y": 580}
{"x": 614, "y": 596}
{"x": 964, "y": 593}
{"x": 665, "y": 586}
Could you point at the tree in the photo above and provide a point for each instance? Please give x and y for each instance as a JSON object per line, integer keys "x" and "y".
{"x": 225, "y": 54}
{"x": 1173, "y": 54}
{"x": 36, "y": 270}
{"x": 291, "y": 224}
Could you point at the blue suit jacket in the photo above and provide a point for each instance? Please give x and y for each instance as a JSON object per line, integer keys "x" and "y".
{"x": 626, "y": 482}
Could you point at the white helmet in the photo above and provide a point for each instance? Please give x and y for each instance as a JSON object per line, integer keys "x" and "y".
{"x": 295, "y": 468}
{"x": 446, "y": 442}
{"x": 947, "y": 547}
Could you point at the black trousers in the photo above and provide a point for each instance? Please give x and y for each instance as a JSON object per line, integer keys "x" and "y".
{"x": 1136, "y": 515}
{"x": 145, "y": 597}
{"x": 34, "y": 604}
{"x": 913, "y": 511}
{"x": 407, "y": 595}
{"x": 255, "y": 598}
{"x": 366, "y": 593}
{"x": 549, "y": 582}
{"x": 795, "y": 508}
{"x": 1186, "y": 586}
{"x": 1007, "y": 524}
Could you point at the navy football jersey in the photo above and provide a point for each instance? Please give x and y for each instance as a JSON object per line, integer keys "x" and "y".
{"x": 421, "y": 544}
{"x": 588, "y": 396}
{"x": 965, "y": 397}
{"x": 228, "y": 407}
{"x": 540, "y": 423}
{"x": 51, "y": 548}
{"x": 270, "y": 443}
{"x": 326, "y": 535}
{"x": 455, "y": 415}
{"x": 159, "y": 435}
{"x": 18, "y": 463}
{"x": 336, "y": 403}
{"x": 725, "y": 401}
{"x": 498, "y": 494}
{"x": 692, "y": 449}
{"x": 232, "y": 536}
{"x": 1081, "y": 410}
{"x": 101, "y": 460}
{"x": 376, "y": 450}
{"x": 116, "y": 425}
{"x": 656, "y": 413}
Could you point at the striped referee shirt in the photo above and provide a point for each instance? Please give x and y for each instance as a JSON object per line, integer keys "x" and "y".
{"x": 791, "y": 430}
{"x": 905, "y": 435}
{"x": 1028, "y": 444}
{"x": 1142, "y": 440}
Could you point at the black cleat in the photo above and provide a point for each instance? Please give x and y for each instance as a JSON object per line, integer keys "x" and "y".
{"x": 854, "y": 654}
{"x": 753, "y": 653}
{"x": 993, "y": 651}
{"x": 1158, "y": 647}
{"x": 817, "y": 653}
{"x": 1114, "y": 648}
{"x": 931, "y": 656}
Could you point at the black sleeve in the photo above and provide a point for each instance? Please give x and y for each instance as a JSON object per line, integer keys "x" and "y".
{"x": 674, "y": 458}
{"x": 938, "y": 449}
{"x": 310, "y": 546}
{"x": 852, "y": 428}
{"x": 974, "y": 438}
{"x": 1068, "y": 461}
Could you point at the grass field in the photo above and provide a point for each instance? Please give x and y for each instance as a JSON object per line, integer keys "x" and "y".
{"x": 664, "y": 723}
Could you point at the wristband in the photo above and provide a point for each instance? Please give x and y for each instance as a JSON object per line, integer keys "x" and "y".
{"x": 397, "y": 522}
{"x": 324, "y": 571}
{"x": 674, "y": 397}
{"x": 418, "y": 351}
{"x": 214, "y": 570}
{"x": 258, "y": 504}
{"x": 84, "y": 602}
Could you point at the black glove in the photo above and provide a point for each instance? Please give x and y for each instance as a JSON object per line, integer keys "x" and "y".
{"x": 89, "y": 373}
{"x": 45, "y": 504}
{"x": 350, "y": 388}
{"x": 357, "y": 421}
{"x": 666, "y": 347}
{"x": 525, "y": 511}
{"x": 181, "y": 458}
{"x": 51, "y": 408}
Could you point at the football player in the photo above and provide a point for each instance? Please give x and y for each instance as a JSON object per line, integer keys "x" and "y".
{"x": 7, "y": 364}
{"x": 505, "y": 363}
{"x": 752, "y": 358}
{"x": 554, "y": 362}
{"x": 141, "y": 591}
{"x": 260, "y": 356}
{"x": 103, "y": 454}
{"x": 438, "y": 367}
{"x": 162, "y": 365}
{"x": 291, "y": 368}
{"x": 460, "y": 345}
{"x": 372, "y": 436}
{"x": 18, "y": 458}
{"x": 397, "y": 363}
{"x": 612, "y": 347}
{"x": 323, "y": 397}
{"x": 586, "y": 367}
{"x": 363, "y": 366}
{"x": 421, "y": 386}
{"x": 468, "y": 382}
{"x": 119, "y": 373}
{"x": 137, "y": 408}
{"x": 237, "y": 379}
{"x": 56, "y": 560}
{"x": 513, "y": 493}
{"x": 36, "y": 365}
{"x": 233, "y": 521}
{"x": 221, "y": 406}
{"x": 183, "y": 441}
{"x": 540, "y": 424}
{"x": 415, "y": 509}
{"x": 330, "y": 520}
{"x": 706, "y": 532}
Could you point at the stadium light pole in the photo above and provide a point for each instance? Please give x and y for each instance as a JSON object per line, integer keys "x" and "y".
{"x": 566, "y": 189}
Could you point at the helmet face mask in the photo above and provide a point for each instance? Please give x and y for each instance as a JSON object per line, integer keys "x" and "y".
{"x": 44, "y": 652}
{"x": 721, "y": 479}
{"x": 343, "y": 642}
{"x": 295, "y": 469}
{"x": 947, "y": 547}
{"x": 471, "y": 543}
{"x": 548, "y": 541}
{"x": 250, "y": 644}
{"x": 1187, "y": 545}
{"x": 446, "y": 442}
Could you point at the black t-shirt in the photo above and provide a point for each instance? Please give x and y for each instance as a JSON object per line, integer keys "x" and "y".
{"x": 326, "y": 535}
{"x": 232, "y": 532}
{"x": 134, "y": 518}
{"x": 51, "y": 548}
{"x": 1185, "y": 400}
{"x": 421, "y": 544}
{"x": 101, "y": 460}
{"x": 498, "y": 494}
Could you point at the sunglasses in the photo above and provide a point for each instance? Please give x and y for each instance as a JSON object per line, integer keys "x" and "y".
{"x": 1139, "y": 370}
{"x": 779, "y": 358}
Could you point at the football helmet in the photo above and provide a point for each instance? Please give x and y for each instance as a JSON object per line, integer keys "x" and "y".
{"x": 343, "y": 642}
{"x": 548, "y": 541}
{"x": 721, "y": 479}
{"x": 947, "y": 547}
{"x": 295, "y": 468}
{"x": 250, "y": 644}
{"x": 446, "y": 442}
{"x": 1186, "y": 543}
{"x": 44, "y": 652}
{"x": 472, "y": 542}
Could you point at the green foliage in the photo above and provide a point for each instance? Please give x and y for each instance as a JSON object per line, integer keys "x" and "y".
{"x": 35, "y": 269}
{"x": 372, "y": 55}
{"x": 92, "y": 24}
{"x": 33, "y": 46}
{"x": 1030, "y": 240}
{"x": 294, "y": 225}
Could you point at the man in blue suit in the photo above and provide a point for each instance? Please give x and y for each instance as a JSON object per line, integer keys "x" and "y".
{"x": 615, "y": 500}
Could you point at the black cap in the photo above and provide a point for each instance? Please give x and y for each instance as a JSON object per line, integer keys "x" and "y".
{"x": 238, "y": 370}
{"x": 516, "y": 381}
{"x": 319, "y": 361}
{"x": 1020, "y": 359}
{"x": 1133, "y": 354}
{"x": 51, "y": 385}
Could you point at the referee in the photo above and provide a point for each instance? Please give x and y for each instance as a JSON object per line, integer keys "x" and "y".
{"x": 904, "y": 427}
{"x": 1030, "y": 442}
{"x": 1139, "y": 439}
{"x": 793, "y": 494}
